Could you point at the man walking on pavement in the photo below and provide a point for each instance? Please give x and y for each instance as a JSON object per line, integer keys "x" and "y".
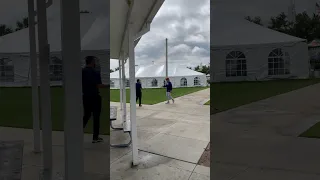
{"x": 139, "y": 91}
{"x": 91, "y": 82}
{"x": 168, "y": 85}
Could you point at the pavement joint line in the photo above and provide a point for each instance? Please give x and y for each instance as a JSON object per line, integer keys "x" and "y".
{"x": 183, "y": 137}
{"x": 192, "y": 172}
{"x": 168, "y": 157}
{"x": 268, "y": 168}
{"x": 120, "y": 157}
{"x": 239, "y": 173}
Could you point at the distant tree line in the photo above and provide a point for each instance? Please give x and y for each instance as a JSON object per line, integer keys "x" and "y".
{"x": 4, "y": 29}
{"x": 113, "y": 70}
{"x": 205, "y": 69}
{"x": 305, "y": 26}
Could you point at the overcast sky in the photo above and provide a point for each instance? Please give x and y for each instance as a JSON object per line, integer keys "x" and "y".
{"x": 186, "y": 24}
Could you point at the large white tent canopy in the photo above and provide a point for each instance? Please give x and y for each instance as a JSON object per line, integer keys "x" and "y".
{"x": 244, "y": 51}
{"x": 93, "y": 30}
{"x": 159, "y": 70}
{"x": 94, "y": 41}
{"x": 152, "y": 76}
{"x": 230, "y": 30}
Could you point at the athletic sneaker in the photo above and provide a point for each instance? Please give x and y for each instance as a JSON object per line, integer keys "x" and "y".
{"x": 167, "y": 102}
{"x": 97, "y": 140}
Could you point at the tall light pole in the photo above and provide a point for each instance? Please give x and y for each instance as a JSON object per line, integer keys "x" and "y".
{"x": 166, "y": 57}
{"x": 292, "y": 11}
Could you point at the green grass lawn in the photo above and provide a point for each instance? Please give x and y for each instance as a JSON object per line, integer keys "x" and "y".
{"x": 313, "y": 132}
{"x": 16, "y": 106}
{"x": 226, "y": 96}
{"x": 16, "y": 109}
{"x": 154, "y": 96}
{"x": 207, "y": 103}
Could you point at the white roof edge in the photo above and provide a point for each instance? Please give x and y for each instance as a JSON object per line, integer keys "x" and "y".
{"x": 152, "y": 13}
{"x": 265, "y": 44}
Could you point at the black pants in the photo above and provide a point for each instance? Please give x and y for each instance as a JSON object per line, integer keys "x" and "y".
{"x": 92, "y": 106}
{"x": 139, "y": 96}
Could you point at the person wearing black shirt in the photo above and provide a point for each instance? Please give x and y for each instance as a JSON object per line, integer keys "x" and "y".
{"x": 91, "y": 82}
{"x": 139, "y": 91}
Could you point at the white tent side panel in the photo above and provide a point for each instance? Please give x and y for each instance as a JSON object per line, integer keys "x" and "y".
{"x": 22, "y": 69}
{"x": 176, "y": 82}
{"x": 148, "y": 73}
{"x": 257, "y": 62}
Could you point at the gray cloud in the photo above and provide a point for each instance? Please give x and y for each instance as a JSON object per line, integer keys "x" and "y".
{"x": 186, "y": 25}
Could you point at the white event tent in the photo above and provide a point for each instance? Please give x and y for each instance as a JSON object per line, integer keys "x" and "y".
{"x": 14, "y": 50}
{"x": 153, "y": 76}
{"x": 244, "y": 51}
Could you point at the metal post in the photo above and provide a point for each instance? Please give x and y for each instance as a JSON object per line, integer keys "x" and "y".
{"x": 45, "y": 95}
{"x": 71, "y": 58}
{"x": 34, "y": 77}
{"x": 124, "y": 91}
{"x": 166, "y": 57}
{"x": 132, "y": 72}
{"x": 120, "y": 85}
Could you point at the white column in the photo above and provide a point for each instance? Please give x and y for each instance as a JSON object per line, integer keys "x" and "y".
{"x": 120, "y": 85}
{"x": 124, "y": 94}
{"x": 45, "y": 95}
{"x": 34, "y": 77}
{"x": 71, "y": 58}
{"x": 132, "y": 74}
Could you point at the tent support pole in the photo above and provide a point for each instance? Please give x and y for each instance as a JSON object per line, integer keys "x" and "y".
{"x": 167, "y": 57}
{"x": 34, "y": 78}
{"x": 45, "y": 95}
{"x": 133, "y": 107}
{"x": 71, "y": 55}
{"x": 124, "y": 94}
{"x": 120, "y": 86}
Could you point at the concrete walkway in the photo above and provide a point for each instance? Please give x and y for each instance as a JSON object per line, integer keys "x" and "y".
{"x": 96, "y": 156}
{"x": 172, "y": 138}
{"x": 260, "y": 140}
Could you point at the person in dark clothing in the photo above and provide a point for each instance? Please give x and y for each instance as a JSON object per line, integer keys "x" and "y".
{"x": 168, "y": 85}
{"x": 139, "y": 91}
{"x": 91, "y": 82}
